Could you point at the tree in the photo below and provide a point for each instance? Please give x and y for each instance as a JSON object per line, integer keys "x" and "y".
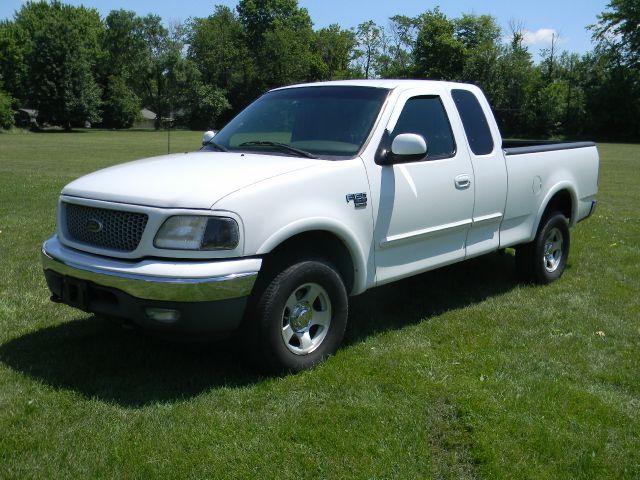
{"x": 369, "y": 38}
{"x": 204, "y": 106}
{"x": 438, "y": 54}
{"x": 336, "y": 49}
{"x": 122, "y": 54}
{"x": 6, "y": 111}
{"x": 260, "y": 16}
{"x": 292, "y": 60}
{"x": 216, "y": 46}
{"x": 612, "y": 85}
{"x": 13, "y": 66}
{"x": 159, "y": 65}
{"x": 477, "y": 32}
{"x": 549, "y": 108}
{"x": 570, "y": 71}
{"x": 121, "y": 106}
{"x": 549, "y": 56}
{"x": 401, "y": 39}
{"x": 280, "y": 37}
{"x": 520, "y": 81}
{"x": 66, "y": 63}
{"x": 481, "y": 37}
{"x": 61, "y": 61}
{"x": 619, "y": 29}
{"x": 123, "y": 43}
{"x": 612, "y": 96}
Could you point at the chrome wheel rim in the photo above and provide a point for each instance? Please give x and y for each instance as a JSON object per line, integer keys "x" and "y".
{"x": 553, "y": 250}
{"x": 306, "y": 318}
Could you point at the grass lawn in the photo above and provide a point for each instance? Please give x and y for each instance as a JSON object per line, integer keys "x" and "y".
{"x": 458, "y": 373}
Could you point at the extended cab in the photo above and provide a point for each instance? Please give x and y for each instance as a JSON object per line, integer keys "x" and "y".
{"x": 311, "y": 194}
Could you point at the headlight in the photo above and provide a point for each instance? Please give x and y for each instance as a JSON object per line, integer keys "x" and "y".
{"x": 197, "y": 232}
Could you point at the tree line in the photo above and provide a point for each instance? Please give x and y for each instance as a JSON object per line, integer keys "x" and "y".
{"x": 73, "y": 66}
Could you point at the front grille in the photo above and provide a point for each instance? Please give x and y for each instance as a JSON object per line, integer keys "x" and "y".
{"x": 102, "y": 227}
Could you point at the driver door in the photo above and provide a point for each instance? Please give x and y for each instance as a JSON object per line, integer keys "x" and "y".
{"x": 426, "y": 205}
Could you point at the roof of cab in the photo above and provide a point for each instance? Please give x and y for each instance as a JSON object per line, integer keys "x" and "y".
{"x": 378, "y": 83}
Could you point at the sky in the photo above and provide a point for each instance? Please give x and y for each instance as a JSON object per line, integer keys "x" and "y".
{"x": 566, "y": 19}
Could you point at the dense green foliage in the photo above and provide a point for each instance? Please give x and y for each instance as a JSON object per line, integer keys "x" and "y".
{"x": 121, "y": 106}
{"x": 460, "y": 373}
{"x": 6, "y": 111}
{"x": 60, "y": 52}
{"x": 619, "y": 30}
{"x": 72, "y": 66}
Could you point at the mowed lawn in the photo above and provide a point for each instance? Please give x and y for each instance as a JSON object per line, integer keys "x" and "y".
{"x": 458, "y": 373}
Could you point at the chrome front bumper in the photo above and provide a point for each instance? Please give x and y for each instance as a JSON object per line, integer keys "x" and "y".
{"x": 156, "y": 280}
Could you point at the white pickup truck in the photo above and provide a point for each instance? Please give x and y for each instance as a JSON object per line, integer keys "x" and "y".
{"x": 311, "y": 194}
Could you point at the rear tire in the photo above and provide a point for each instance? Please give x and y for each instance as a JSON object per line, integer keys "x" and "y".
{"x": 301, "y": 317}
{"x": 544, "y": 259}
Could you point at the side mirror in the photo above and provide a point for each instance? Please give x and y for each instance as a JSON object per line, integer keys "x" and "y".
{"x": 208, "y": 136}
{"x": 408, "y": 146}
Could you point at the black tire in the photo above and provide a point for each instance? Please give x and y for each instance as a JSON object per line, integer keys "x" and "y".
{"x": 273, "y": 313}
{"x": 544, "y": 259}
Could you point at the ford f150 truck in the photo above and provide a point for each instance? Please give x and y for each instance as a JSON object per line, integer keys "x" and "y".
{"x": 311, "y": 194}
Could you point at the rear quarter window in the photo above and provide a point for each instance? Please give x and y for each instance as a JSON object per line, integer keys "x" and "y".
{"x": 474, "y": 122}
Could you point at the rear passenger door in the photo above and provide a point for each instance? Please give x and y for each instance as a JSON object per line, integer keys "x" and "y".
{"x": 426, "y": 205}
{"x": 489, "y": 167}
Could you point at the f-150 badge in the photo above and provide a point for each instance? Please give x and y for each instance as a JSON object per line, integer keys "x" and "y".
{"x": 359, "y": 199}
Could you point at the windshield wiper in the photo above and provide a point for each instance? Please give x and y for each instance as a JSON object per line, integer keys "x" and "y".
{"x": 220, "y": 148}
{"x": 281, "y": 146}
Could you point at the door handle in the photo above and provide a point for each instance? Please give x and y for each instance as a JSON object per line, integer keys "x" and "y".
{"x": 463, "y": 181}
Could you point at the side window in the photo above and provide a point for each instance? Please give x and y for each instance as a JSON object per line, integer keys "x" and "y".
{"x": 474, "y": 122}
{"x": 426, "y": 116}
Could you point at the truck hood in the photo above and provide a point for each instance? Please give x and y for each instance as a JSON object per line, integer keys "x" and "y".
{"x": 187, "y": 180}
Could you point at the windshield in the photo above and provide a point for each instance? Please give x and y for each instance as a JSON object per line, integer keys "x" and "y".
{"x": 327, "y": 121}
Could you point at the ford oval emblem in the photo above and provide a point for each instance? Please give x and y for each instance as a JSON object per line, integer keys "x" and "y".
{"x": 93, "y": 225}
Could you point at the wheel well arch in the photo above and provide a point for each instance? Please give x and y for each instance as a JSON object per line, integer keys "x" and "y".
{"x": 561, "y": 201}
{"x": 314, "y": 243}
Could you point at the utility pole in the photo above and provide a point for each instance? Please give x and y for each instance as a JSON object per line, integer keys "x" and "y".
{"x": 169, "y": 131}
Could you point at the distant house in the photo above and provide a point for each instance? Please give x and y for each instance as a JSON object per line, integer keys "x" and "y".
{"x": 146, "y": 119}
{"x": 26, "y": 117}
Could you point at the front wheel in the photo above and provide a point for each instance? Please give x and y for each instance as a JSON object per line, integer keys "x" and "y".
{"x": 545, "y": 258}
{"x": 301, "y": 316}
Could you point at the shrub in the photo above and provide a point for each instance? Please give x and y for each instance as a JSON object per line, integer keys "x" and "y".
{"x": 6, "y": 112}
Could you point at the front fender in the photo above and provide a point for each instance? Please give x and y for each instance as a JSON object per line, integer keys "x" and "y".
{"x": 310, "y": 200}
{"x": 329, "y": 225}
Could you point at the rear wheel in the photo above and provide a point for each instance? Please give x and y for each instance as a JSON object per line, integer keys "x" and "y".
{"x": 544, "y": 259}
{"x": 301, "y": 316}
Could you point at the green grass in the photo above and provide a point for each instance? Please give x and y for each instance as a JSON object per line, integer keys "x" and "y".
{"x": 458, "y": 373}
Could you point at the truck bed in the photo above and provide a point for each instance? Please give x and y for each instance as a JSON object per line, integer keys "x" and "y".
{"x": 536, "y": 171}
{"x": 520, "y": 147}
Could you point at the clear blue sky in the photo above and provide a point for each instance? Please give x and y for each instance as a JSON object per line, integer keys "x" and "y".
{"x": 568, "y": 18}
